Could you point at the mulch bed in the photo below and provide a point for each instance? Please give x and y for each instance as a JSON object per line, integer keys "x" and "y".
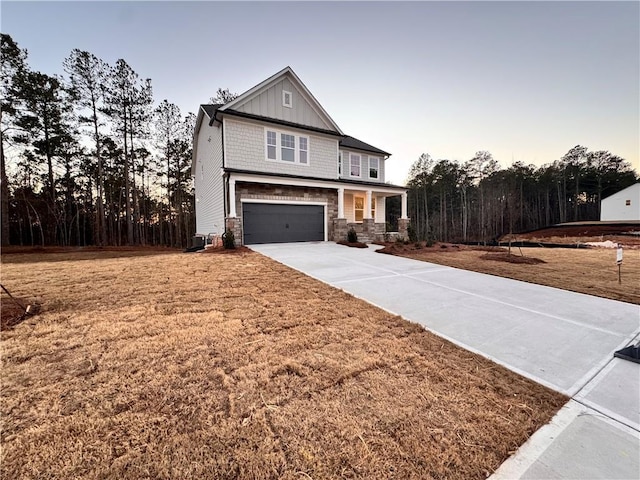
{"x": 511, "y": 258}
{"x": 353, "y": 244}
{"x": 400, "y": 248}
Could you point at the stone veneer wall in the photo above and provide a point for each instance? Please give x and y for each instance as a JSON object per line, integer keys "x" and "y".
{"x": 266, "y": 192}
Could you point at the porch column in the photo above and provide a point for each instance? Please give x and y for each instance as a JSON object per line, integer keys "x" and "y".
{"x": 367, "y": 204}
{"x": 404, "y": 206}
{"x": 340, "y": 202}
{"x": 232, "y": 198}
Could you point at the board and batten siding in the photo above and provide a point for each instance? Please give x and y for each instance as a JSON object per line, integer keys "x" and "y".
{"x": 364, "y": 166}
{"x": 245, "y": 145}
{"x": 269, "y": 104}
{"x": 209, "y": 182}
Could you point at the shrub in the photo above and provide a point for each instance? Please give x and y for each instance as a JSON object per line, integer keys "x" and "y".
{"x": 352, "y": 236}
{"x": 228, "y": 240}
{"x": 413, "y": 236}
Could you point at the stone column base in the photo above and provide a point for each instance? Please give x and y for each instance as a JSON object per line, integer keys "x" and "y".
{"x": 339, "y": 229}
{"x": 403, "y": 228}
{"x": 235, "y": 225}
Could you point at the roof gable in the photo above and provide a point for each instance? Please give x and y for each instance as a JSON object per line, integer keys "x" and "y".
{"x": 265, "y": 100}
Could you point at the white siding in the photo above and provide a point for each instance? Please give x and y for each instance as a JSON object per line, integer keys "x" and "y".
{"x": 246, "y": 149}
{"x": 269, "y": 104}
{"x": 615, "y": 207}
{"x": 381, "y": 203}
{"x": 348, "y": 208}
{"x": 208, "y": 181}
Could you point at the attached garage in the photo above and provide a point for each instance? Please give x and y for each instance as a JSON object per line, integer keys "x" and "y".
{"x": 282, "y": 222}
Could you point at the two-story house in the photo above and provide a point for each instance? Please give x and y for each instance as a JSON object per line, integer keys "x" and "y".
{"x": 272, "y": 166}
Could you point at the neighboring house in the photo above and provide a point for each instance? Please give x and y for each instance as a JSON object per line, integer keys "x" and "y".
{"x": 622, "y": 206}
{"x": 272, "y": 166}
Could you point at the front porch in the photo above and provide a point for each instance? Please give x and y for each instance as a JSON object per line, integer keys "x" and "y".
{"x": 364, "y": 211}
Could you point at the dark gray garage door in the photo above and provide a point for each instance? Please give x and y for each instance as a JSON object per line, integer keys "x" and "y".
{"x": 276, "y": 223}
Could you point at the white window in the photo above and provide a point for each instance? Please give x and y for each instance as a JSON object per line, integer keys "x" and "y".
{"x": 271, "y": 145}
{"x": 303, "y": 147}
{"x": 355, "y": 165}
{"x": 374, "y": 164}
{"x": 286, "y": 147}
{"x": 287, "y": 99}
{"x": 339, "y": 163}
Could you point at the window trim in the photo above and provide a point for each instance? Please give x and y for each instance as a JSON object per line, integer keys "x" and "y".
{"x": 284, "y": 99}
{"x": 351, "y": 156}
{"x": 278, "y": 145}
{"x": 364, "y": 199}
{"x": 377, "y": 177}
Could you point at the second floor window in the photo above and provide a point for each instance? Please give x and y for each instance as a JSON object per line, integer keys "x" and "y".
{"x": 374, "y": 165}
{"x": 340, "y": 164}
{"x": 355, "y": 165}
{"x": 285, "y": 147}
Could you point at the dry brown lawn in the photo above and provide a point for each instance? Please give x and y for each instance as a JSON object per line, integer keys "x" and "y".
{"x": 592, "y": 271}
{"x": 234, "y": 366}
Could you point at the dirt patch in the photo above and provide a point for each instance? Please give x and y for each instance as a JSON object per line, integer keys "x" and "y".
{"x": 353, "y": 244}
{"x": 18, "y": 254}
{"x": 12, "y": 313}
{"x": 511, "y": 258}
{"x": 239, "y": 250}
{"x": 235, "y": 366}
{"x": 626, "y": 235}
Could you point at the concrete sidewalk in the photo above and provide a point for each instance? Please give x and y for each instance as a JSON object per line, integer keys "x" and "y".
{"x": 561, "y": 339}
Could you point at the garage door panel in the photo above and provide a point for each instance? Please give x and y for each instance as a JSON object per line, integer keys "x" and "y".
{"x": 277, "y": 223}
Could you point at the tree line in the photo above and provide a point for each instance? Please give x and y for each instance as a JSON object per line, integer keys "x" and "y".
{"x": 87, "y": 159}
{"x": 477, "y": 201}
{"x": 94, "y": 162}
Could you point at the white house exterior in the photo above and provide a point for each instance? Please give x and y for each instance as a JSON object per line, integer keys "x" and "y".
{"x": 622, "y": 206}
{"x": 272, "y": 166}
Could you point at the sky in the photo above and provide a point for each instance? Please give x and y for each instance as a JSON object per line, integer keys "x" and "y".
{"x": 525, "y": 81}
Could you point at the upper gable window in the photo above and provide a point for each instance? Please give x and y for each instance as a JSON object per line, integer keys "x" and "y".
{"x": 286, "y": 147}
{"x": 354, "y": 171}
{"x": 374, "y": 165}
{"x": 287, "y": 99}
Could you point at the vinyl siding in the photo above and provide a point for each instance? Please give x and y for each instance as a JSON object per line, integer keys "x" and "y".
{"x": 364, "y": 166}
{"x": 269, "y": 104}
{"x": 208, "y": 181}
{"x": 348, "y": 208}
{"x": 246, "y": 149}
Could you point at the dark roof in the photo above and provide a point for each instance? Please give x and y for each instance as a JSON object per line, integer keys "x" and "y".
{"x": 210, "y": 109}
{"x": 351, "y": 142}
{"x": 335, "y": 180}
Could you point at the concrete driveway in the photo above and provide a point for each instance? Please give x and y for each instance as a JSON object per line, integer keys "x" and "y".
{"x": 561, "y": 339}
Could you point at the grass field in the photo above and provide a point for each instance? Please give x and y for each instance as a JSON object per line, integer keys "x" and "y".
{"x": 592, "y": 271}
{"x": 175, "y": 365}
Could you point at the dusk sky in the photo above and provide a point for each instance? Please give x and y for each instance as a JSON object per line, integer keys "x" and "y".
{"x": 524, "y": 80}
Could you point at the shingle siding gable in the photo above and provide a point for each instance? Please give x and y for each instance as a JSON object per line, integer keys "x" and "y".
{"x": 245, "y": 150}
